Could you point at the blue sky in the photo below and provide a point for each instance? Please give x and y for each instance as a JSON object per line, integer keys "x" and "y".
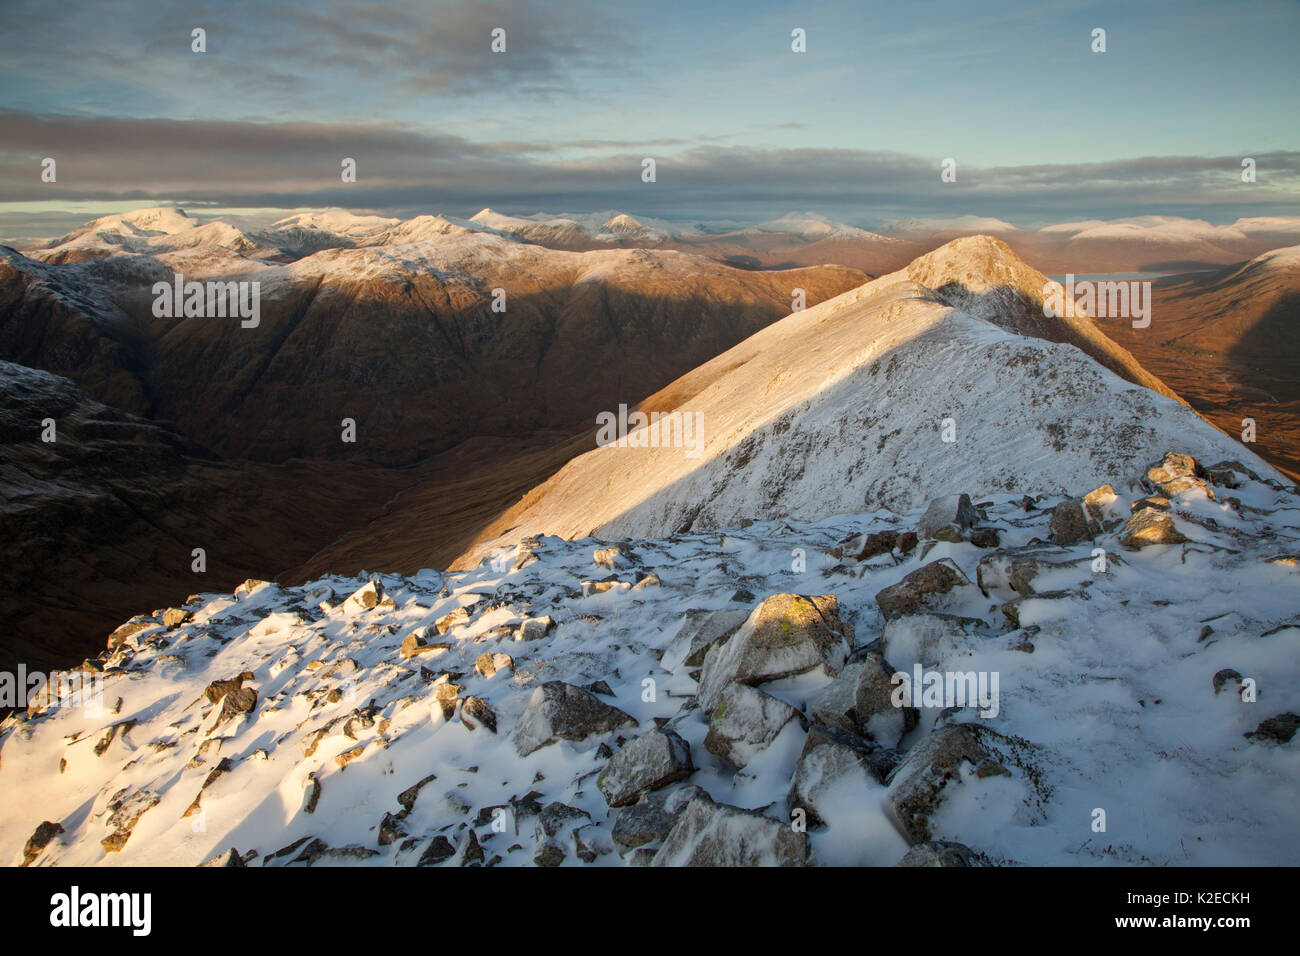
{"x": 1042, "y": 127}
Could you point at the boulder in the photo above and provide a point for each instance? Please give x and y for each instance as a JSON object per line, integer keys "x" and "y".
{"x": 941, "y": 853}
{"x": 476, "y": 712}
{"x": 453, "y": 619}
{"x": 1104, "y": 508}
{"x": 835, "y": 766}
{"x": 918, "y": 785}
{"x": 924, "y": 639}
{"x": 230, "y": 859}
{"x": 715, "y": 834}
{"x": 786, "y": 634}
{"x": 554, "y": 825}
{"x": 175, "y": 617}
{"x": 922, "y": 587}
{"x": 560, "y": 711}
{"x": 745, "y": 721}
{"x": 1069, "y": 524}
{"x": 860, "y": 701}
{"x": 1149, "y": 527}
{"x": 416, "y": 644}
{"x": 534, "y": 629}
{"x": 948, "y": 518}
{"x": 488, "y": 663}
{"x": 129, "y": 630}
{"x": 699, "y": 631}
{"x": 39, "y": 840}
{"x": 364, "y": 597}
{"x": 649, "y": 762}
{"x": 1279, "y": 729}
{"x": 650, "y": 819}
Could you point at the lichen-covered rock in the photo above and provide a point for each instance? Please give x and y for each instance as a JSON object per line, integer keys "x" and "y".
{"x": 716, "y": 834}
{"x": 745, "y": 720}
{"x": 922, "y": 587}
{"x": 653, "y": 760}
{"x": 786, "y": 634}
{"x": 560, "y": 711}
{"x": 230, "y": 859}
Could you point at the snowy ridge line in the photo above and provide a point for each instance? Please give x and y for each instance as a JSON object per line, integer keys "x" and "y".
{"x": 717, "y": 698}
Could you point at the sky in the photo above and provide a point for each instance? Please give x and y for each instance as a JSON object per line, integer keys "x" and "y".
{"x": 741, "y": 127}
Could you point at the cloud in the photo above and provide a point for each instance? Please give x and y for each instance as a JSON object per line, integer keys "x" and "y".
{"x": 403, "y": 170}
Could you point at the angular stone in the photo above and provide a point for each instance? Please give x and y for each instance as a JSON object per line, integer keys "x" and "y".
{"x": 920, "y": 588}
{"x": 1104, "y": 507}
{"x": 1279, "y": 729}
{"x": 786, "y": 634}
{"x": 534, "y": 629}
{"x": 488, "y": 663}
{"x": 415, "y": 644}
{"x": 438, "y": 850}
{"x": 941, "y": 853}
{"x": 175, "y": 617}
{"x": 230, "y": 859}
{"x": 1149, "y": 527}
{"x": 745, "y": 721}
{"x": 560, "y": 711}
{"x": 650, "y": 819}
{"x": 834, "y": 765}
{"x": 715, "y": 834}
{"x": 699, "y": 631}
{"x": 652, "y": 761}
{"x": 948, "y": 518}
{"x": 364, "y": 597}
{"x": 39, "y": 840}
{"x": 1070, "y": 525}
{"x": 453, "y": 619}
{"x": 918, "y": 785}
{"x": 475, "y": 712}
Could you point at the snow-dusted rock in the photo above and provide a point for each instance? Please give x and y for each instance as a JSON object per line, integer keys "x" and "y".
{"x": 715, "y": 834}
{"x": 701, "y": 630}
{"x": 653, "y": 760}
{"x": 919, "y": 784}
{"x": 923, "y": 587}
{"x": 786, "y": 634}
{"x": 745, "y": 720}
{"x": 560, "y": 711}
{"x": 948, "y": 518}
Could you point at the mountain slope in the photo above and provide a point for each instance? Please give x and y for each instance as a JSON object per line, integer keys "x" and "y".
{"x": 842, "y": 408}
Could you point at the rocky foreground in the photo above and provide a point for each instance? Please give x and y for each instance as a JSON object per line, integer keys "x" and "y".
{"x": 720, "y": 698}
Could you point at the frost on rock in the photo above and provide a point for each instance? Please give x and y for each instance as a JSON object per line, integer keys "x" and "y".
{"x": 786, "y": 634}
